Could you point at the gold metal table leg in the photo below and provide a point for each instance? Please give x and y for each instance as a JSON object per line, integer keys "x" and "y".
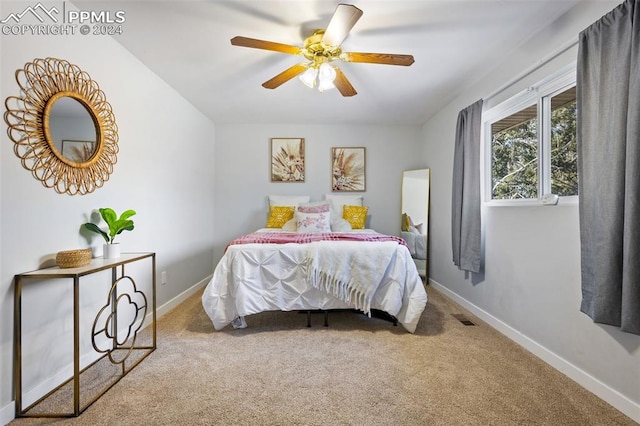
{"x": 76, "y": 346}
{"x": 17, "y": 344}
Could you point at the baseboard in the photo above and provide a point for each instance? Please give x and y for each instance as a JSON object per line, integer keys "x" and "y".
{"x": 7, "y": 413}
{"x": 168, "y": 306}
{"x": 584, "y": 379}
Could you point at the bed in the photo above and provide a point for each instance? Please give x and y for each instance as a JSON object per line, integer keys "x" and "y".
{"x": 277, "y": 268}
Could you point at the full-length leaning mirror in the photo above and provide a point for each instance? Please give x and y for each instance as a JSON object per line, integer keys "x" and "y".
{"x": 415, "y": 215}
{"x": 62, "y": 126}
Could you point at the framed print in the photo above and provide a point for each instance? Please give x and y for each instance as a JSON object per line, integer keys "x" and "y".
{"x": 347, "y": 169}
{"x": 287, "y": 160}
{"x": 78, "y": 151}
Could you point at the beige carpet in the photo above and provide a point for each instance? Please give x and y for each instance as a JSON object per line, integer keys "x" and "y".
{"x": 357, "y": 371}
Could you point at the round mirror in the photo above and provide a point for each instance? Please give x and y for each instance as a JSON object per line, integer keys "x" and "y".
{"x": 72, "y": 132}
{"x": 62, "y": 126}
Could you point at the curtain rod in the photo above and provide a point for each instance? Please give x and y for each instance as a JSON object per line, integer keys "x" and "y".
{"x": 566, "y": 46}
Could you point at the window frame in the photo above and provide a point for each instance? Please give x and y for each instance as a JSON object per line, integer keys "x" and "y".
{"x": 539, "y": 94}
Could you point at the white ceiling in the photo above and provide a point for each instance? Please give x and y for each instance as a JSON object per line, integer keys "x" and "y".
{"x": 454, "y": 43}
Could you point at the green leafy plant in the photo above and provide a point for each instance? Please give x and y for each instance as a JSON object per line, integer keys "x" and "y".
{"x": 116, "y": 224}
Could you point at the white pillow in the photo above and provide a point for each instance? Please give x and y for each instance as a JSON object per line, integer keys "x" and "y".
{"x": 288, "y": 200}
{"x": 313, "y": 222}
{"x": 290, "y": 226}
{"x": 339, "y": 224}
{"x": 337, "y": 201}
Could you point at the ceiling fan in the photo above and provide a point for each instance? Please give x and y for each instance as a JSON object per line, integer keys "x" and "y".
{"x": 322, "y": 48}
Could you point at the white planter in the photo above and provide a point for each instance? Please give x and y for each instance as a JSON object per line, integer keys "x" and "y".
{"x": 111, "y": 251}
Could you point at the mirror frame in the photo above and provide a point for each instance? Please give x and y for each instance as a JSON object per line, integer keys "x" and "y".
{"x": 405, "y": 174}
{"x": 43, "y": 82}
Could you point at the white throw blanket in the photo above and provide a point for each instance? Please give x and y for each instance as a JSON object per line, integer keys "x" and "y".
{"x": 330, "y": 268}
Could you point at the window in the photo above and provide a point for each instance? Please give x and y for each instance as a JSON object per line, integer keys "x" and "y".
{"x": 514, "y": 155}
{"x": 530, "y": 142}
{"x": 563, "y": 149}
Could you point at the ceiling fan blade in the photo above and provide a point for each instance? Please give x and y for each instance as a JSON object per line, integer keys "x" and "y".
{"x": 342, "y": 84}
{"x": 266, "y": 45}
{"x": 378, "y": 58}
{"x": 285, "y": 76}
{"x": 343, "y": 19}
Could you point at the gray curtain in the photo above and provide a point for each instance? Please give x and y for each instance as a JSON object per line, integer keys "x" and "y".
{"x": 608, "y": 84}
{"x": 465, "y": 204}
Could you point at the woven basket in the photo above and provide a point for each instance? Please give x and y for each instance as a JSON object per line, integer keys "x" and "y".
{"x": 73, "y": 258}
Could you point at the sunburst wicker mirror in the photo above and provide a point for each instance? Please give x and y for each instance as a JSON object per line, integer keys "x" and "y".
{"x": 62, "y": 126}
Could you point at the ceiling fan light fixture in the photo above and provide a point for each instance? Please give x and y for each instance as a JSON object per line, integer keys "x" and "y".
{"x": 325, "y": 85}
{"x": 326, "y": 75}
{"x": 309, "y": 77}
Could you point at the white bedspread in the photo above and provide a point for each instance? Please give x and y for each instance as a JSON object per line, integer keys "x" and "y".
{"x": 253, "y": 278}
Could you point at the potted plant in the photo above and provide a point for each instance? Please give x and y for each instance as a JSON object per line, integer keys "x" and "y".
{"x": 116, "y": 226}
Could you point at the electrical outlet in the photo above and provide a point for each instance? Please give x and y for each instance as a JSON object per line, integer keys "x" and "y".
{"x": 163, "y": 278}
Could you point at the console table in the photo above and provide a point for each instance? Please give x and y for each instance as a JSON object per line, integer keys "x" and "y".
{"x": 107, "y": 338}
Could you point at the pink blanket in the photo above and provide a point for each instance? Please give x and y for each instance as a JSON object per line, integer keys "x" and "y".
{"x": 303, "y": 238}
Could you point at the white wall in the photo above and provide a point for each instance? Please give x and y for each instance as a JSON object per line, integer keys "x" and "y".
{"x": 242, "y": 171}
{"x": 531, "y": 286}
{"x": 165, "y": 171}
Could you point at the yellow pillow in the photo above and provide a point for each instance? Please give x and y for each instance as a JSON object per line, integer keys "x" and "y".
{"x": 279, "y": 215}
{"x": 406, "y": 222}
{"x": 355, "y": 215}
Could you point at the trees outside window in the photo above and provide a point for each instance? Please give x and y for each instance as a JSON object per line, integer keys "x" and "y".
{"x": 514, "y": 156}
{"x": 530, "y": 143}
{"x": 564, "y": 154}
